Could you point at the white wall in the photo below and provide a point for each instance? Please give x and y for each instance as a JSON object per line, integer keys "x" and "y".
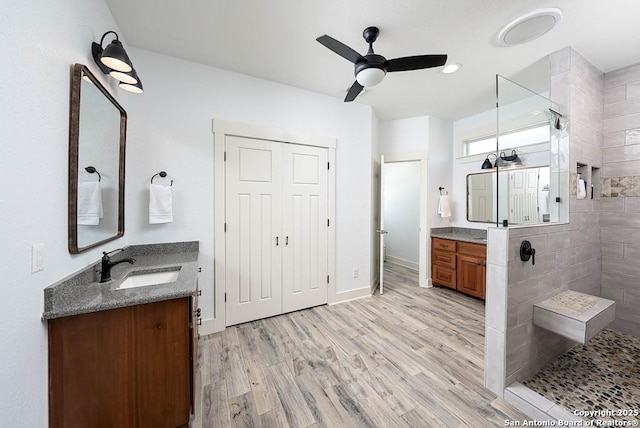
{"x": 429, "y": 136}
{"x": 402, "y": 211}
{"x": 170, "y": 129}
{"x": 40, "y": 41}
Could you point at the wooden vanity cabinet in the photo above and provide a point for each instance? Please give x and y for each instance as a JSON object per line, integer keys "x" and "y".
{"x": 124, "y": 367}
{"x": 472, "y": 269}
{"x": 459, "y": 265}
{"x": 443, "y": 262}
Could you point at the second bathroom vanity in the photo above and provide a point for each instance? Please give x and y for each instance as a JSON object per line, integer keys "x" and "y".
{"x": 122, "y": 352}
{"x": 459, "y": 260}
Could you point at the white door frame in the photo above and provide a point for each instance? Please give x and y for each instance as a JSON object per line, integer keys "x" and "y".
{"x": 423, "y": 248}
{"x": 222, "y": 128}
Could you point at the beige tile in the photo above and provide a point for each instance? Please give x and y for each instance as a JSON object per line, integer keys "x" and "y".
{"x": 613, "y": 139}
{"x": 633, "y": 89}
{"x": 622, "y": 76}
{"x": 615, "y": 94}
{"x": 621, "y": 123}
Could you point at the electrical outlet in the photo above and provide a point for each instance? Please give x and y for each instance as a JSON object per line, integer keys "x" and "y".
{"x": 37, "y": 258}
{"x": 355, "y": 273}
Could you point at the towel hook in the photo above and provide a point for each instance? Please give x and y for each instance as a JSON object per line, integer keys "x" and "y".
{"x": 440, "y": 189}
{"x": 91, "y": 170}
{"x": 161, "y": 174}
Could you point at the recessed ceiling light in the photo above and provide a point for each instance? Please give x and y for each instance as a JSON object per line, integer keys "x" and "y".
{"x": 451, "y": 68}
{"x": 529, "y": 26}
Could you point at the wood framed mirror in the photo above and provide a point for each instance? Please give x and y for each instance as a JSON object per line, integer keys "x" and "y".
{"x": 97, "y": 140}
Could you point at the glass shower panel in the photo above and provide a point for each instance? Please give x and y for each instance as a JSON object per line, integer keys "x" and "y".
{"x": 530, "y": 151}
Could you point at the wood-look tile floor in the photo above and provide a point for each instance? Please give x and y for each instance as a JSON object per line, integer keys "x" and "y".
{"x": 412, "y": 357}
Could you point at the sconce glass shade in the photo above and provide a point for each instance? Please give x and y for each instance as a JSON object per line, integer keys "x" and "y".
{"x": 114, "y": 61}
{"x": 370, "y": 76}
{"x": 505, "y": 161}
{"x": 130, "y": 77}
{"x": 115, "y": 57}
{"x": 487, "y": 162}
{"x": 135, "y": 88}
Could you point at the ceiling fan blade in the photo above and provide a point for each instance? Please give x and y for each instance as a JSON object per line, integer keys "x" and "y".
{"x": 354, "y": 91}
{"x": 341, "y": 49}
{"x": 417, "y": 62}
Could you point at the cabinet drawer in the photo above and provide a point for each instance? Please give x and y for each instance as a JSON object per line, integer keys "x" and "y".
{"x": 441, "y": 275}
{"x": 470, "y": 249}
{"x": 444, "y": 259}
{"x": 444, "y": 244}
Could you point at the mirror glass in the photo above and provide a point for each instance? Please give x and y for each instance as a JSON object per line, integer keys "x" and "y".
{"x": 524, "y": 196}
{"x": 96, "y": 163}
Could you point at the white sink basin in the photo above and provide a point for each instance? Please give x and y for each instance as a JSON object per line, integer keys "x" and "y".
{"x": 153, "y": 278}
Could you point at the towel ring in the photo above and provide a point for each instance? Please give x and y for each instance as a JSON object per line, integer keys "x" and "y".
{"x": 161, "y": 174}
{"x": 92, "y": 170}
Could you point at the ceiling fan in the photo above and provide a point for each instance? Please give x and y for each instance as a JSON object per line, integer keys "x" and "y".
{"x": 371, "y": 68}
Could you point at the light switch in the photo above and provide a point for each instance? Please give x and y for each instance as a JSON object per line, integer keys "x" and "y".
{"x": 37, "y": 258}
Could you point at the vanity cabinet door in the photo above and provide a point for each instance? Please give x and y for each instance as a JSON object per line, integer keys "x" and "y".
{"x": 91, "y": 370}
{"x": 125, "y": 367}
{"x": 471, "y": 275}
{"x": 162, "y": 363}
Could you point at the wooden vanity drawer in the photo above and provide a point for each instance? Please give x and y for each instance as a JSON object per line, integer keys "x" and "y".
{"x": 470, "y": 249}
{"x": 445, "y": 259}
{"x": 443, "y": 276}
{"x": 444, "y": 244}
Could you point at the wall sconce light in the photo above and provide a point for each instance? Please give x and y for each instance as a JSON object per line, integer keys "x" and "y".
{"x": 511, "y": 160}
{"x": 114, "y": 61}
{"x": 487, "y": 163}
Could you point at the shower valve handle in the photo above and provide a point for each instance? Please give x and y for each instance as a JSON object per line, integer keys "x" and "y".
{"x": 527, "y": 252}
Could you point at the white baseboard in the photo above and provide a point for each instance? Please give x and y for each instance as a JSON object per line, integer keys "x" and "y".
{"x": 402, "y": 262}
{"x": 346, "y": 296}
{"x": 375, "y": 285}
{"x": 429, "y": 283}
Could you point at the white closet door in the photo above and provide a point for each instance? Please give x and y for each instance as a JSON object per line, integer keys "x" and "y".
{"x": 305, "y": 230}
{"x": 253, "y": 221}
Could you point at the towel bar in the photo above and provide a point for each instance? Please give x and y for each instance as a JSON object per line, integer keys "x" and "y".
{"x": 161, "y": 174}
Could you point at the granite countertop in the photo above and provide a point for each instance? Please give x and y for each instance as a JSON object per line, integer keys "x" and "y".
{"x": 476, "y": 236}
{"x": 81, "y": 292}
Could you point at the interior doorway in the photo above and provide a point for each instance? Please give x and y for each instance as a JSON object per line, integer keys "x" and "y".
{"x": 402, "y": 213}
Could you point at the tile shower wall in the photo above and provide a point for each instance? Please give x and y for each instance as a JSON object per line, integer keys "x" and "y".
{"x": 567, "y": 255}
{"x": 620, "y": 204}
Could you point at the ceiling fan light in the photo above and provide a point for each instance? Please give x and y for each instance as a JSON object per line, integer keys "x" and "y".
{"x": 451, "y": 68}
{"x": 370, "y": 76}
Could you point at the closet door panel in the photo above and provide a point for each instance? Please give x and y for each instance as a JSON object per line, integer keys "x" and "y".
{"x": 305, "y": 228}
{"x": 253, "y": 219}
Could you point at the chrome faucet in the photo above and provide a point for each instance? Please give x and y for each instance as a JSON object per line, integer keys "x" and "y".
{"x": 105, "y": 272}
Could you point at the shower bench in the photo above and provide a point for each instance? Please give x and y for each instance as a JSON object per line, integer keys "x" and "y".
{"x": 576, "y": 316}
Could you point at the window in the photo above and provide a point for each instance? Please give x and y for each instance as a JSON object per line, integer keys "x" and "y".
{"x": 510, "y": 140}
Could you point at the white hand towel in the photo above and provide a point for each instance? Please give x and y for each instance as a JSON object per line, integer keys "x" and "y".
{"x": 582, "y": 189}
{"x": 160, "y": 204}
{"x": 89, "y": 203}
{"x": 443, "y": 206}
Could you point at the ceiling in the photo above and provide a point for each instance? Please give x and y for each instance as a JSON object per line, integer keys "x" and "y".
{"x": 275, "y": 40}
